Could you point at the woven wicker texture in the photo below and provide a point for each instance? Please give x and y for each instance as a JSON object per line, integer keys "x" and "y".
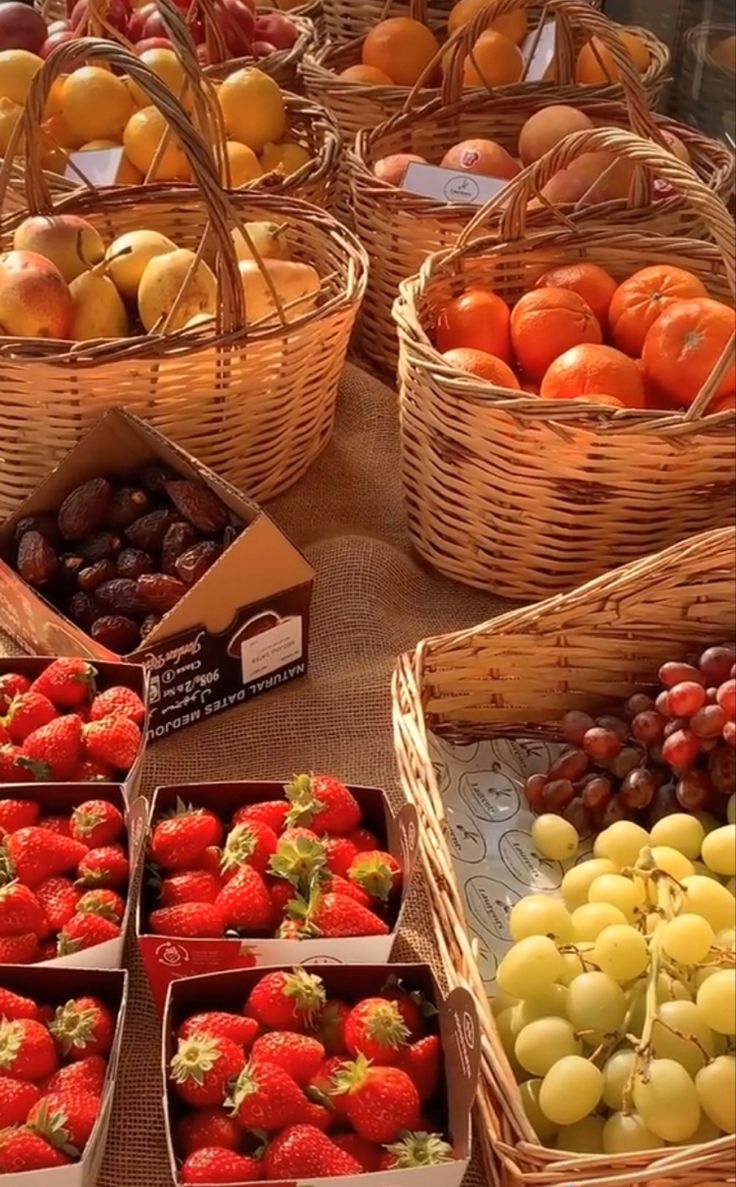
{"x": 531, "y": 497}
{"x": 513, "y": 676}
{"x": 371, "y": 603}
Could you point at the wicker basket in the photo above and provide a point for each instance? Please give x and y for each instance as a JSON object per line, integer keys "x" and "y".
{"x": 256, "y": 405}
{"x": 529, "y": 497}
{"x": 705, "y": 88}
{"x": 513, "y": 677}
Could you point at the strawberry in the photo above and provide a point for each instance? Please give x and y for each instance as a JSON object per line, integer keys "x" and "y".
{"x": 299, "y": 1055}
{"x": 281, "y": 893}
{"x": 265, "y": 1097}
{"x": 20, "y": 949}
{"x": 366, "y": 1153}
{"x": 65, "y": 1119}
{"x": 270, "y": 812}
{"x": 97, "y": 822}
{"x": 374, "y": 1028}
{"x": 286, "y": 1001}
{"x": 20, "y": 911}
{"x": 84, "y": 1026}
{"x": 58, "y": 898}
{"x": 179, "y": 841}
{"x": 364, "y": 840}
{"x": 337, "y": 915}
{"x": 251, "y": 843}
{"x": 105, "y": 866}
{"x": 191, "y": 886}
{"x": 11, "y": 769}
{"x": 17, "y": 1098}
{"x": 198, "y": 921}
{"x": 107, "y": 903}
{"x": 207, "y": 1127}
{"x": 23, "y": 1150}
{"x": 28, "y": 712}
{"x": 413, "y": 1007}
{"x": 13, "y": 1005}
{"x": 219, "y": 1164}
{"x": 53, "y": 751}
{"x": 67, "y": 682}
{"x": 89, "y": 770}
{"x": 56, "y": 824}
{"x": 422, "y": 1062}
{"x": 330, "y": 1026}
{"x": 4, "y": 735}
{"x": 27, "y": 1050}
{"x": 299, "y": 857}
{"x": 85, "y": 1075}
{"x": 304, "y": 1151}
{"x": 16, "y": 814}
{"x": 340, "y": 853}
{"x": 85, "y": 931}
{"x": 317, "y": 1115}
{"x": 323, "y": 1086}
{"x": 414, "y": 1150}
{"x": 378, "y": 873}
{"x": 203, "y": 1067}
{"x": 244, "y": 902}
{"x": 323, "y": 804}
{"x": 118, "y": 701}
{"x": 338, "y": 885}
{"x": 12, "y": 684}
{"x": 115, "y": 740}
{"x": 218, "y": 1024}
{"x": 210, "y": 862}
{"x": 381, "y": 1102}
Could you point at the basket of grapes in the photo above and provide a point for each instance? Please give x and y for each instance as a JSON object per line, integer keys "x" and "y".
{"x": 574, "y": 767}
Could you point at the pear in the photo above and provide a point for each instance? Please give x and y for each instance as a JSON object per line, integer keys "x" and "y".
{"x": 160, "y": 286}
{"x": 68, "y": 241}
{"x": 268, "y": 238}
{"x": 128, "y": 255}
{"x": 297, "y": 285}
{"x": 99, "y": 311}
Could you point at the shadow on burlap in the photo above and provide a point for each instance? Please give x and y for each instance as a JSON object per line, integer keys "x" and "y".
{"x": 372, "y": 601}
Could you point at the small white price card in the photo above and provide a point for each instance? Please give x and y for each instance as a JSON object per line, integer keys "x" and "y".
{"x": 539, "y": 51}
{"x": 450, "y": 185}
{"x": 98, "y": 166}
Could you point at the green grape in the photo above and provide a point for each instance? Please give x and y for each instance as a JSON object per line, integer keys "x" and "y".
{"x": 668, "y": 859}
{"x": 596, "y": 1002}
{"x": 731, "y": 809}
{"x": 554, "y": 837}
{"x": 626, "y": 1133}
{"x": 621, "y": 952}
{"x": 507, "y": 1037}
{"x": 543, "y": 1043}
{"x": 530, "y": 967}
{"x": 584, "y": 1137}
{"x": 577, "y": 881}
{"x": 679, "y": 831}
{"x": 686, "y": 1018}
{"x": 571, "y": 1090}
{"x": 687, "y": 939}
{"x": 589, "y": 920}
{"x": 501, "y": 1002}
{"x": 572, "y": 962}
{"x": 666, "y": 1100}
{"x": 617, "y": 1071}
{"x": 671, "y": 989}
{"x": 625, "y": 893}
{"x": 716, "y": 1089}
{"x": 621, "y": 843}
{"x": 706, "y": 1132}
{"x": 717, "y": 1001}
{"x": 551, "y": 1003}
{"x": 719, "y": 850}
{"x": 700, "y": 868}
{"x": 540, "y": 915}
{"x": 708, "y": 821}
{"x": 542, "y": 1126}
{"x": 705, "y": 897}
{"x": 726, "y": 938}
{"x": 702, "y": 975}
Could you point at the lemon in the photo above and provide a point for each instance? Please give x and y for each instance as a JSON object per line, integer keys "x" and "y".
{"x": 17, "y": 68}
{"x": 253, "y": 108}
{"x": 10, "y": 113}
{"x": 244, "y": 165}
{"x": 284, "y": 158}
{"x": 95, "y": 104}
{"x": 166, "y": 66}
{"x": 141, "y": 138}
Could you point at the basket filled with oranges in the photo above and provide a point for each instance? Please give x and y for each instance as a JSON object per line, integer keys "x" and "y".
{"x": 568, "y": 396}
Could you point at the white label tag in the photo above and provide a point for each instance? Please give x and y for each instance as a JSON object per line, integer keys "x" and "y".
{"x": 272, "y": 649}
{"x": 98, "y": 166}
{"x": 450, "y": 185}
{"x": 539, "y": 51}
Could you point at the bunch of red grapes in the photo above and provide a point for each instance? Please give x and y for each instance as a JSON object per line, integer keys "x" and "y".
{"x": 670, "y": 751}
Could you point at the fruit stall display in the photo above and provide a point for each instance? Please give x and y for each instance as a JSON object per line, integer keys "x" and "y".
{"x": 562, "y": 485}
{"x": 271, "y": 357}
{"x": 610, "y": 1030}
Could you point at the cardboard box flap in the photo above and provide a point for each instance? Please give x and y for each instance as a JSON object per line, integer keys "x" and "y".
{"x": 403, "y": 830}
{"x": 461, "y": 1049}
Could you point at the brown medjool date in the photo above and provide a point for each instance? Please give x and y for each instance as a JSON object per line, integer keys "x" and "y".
{"x": 84, "y": 508}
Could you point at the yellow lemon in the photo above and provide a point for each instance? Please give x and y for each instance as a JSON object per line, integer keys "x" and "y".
{"x": 243, "y": 165}
{"x": 284, "y": 158}
{"x": 166, "y": 66}
{"x": 10, "y": 113}
{"x": 95, "y": 104}
{"x": 58, "y": 132}
{"x": 52, "y": 106}
{"x": 141, "y": 138}
{"x": 253, "y": 108}
{"x": 17, "y": 68}
{"x": 127, "y": 172}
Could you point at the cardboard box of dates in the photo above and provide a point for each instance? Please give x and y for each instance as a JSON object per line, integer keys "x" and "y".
{"x": 68, "y": 1075}
{"x": 132, "y": 549}
{"x": 426, "y": 1132}
{"x": 185, "y": 943}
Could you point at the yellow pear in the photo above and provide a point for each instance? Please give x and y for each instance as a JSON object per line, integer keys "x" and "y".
{"x": 98, "y": 308}
{"x": 243, "y": 165}
{"x": 269, "y": 239}
{"x": 297, "y": 286}
{"x": 161, "y": 284}
{"x": 128, "y": 255}
{"x": 68, "y": 241}
{"x": 284, "y": 158}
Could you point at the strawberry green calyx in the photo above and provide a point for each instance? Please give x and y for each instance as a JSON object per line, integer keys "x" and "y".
{"x": 300, "y": 860}
{"x": 307, "y": 992}
{"x": 41, "y": 771}
{"x": 374, "y": 874}
{"x": 195, "y": 1057}
{"x": 246, "y": 1085}
{"x": 11, "y": 1039}
{"x": 72, "y": 1026}
{"x": 384, "y": 1025}
{"x": 86, "y": 822}
{"x": 182, "y": 809}
{"x": 350, "y": 1075}
{"x": 304, "y": 806}
{"x": 239, "y": 848}
{"x": 419, "y": 1149}
{"x": 52, "y": 1125}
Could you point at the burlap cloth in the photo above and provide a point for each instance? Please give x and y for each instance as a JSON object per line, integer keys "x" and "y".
{"x": 372, "y": 601}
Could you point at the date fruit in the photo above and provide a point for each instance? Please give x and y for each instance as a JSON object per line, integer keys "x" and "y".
{"x": 148, "y": 531}
{"x": 132, "y": 562}
{"x": 70, "y": 566}
{"x": 91, "y": 576}
{"x": 154, "y": 478}
{"x": 99, "y": 546}
{"x": 43, "y": 523}
{"x": 117, "y": 632}
{"x": 82, "y": 609}
{"x": 195, "y": 562}
{"x": 198, "y": 505}
{"x": 84, "y": 508}
{"x": 37, "y": 560}
{"x": 149, "y": 622}
{"x": 178, "y": 539}
{"x": 160, "y": 592}
{"x": 121, "y": 596}
{"x": 127, "y": 503}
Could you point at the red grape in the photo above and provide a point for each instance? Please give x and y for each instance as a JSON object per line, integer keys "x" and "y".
{"x": 680, "y": 749}
{"x": 638, "y": 788}
{"x": 722, "y": 770}
{"x": 571, "y": 764}
{"x": 686, "y": 698}
{"x": 676, "y": 723}
{"x": 557, "y": 794}
{"x": 597, "y": 791}
{"x": 616, "y": 725}
{"x": 694, "y": 790}
{"x": 674, "y": 672}
{"x": 715, "y": 663}
{"x": 638, "y": 703}
{"x": 726, "y": 698}
{"x": 662, "y": 703}
{"x": 708, "y": 722}
{"x": 534, "y": 787}
{"x": 578, "y": 816}
{"x": 601, "y": 744}
{"x": 664, "y": 803}
{"x": 729, "y": 733}
{"x": 625, "y": 761}
{"x": 711, "y": 696}
{"x": 648, "y": 726}
{"x": 614, "y": 812}
{"x": 575, "y": 723}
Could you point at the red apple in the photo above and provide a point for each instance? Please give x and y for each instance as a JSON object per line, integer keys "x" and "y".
{"x": 154, "y": 26}
{"x": 57, "y": 27}
{"x": 153, "y": 43}
{"x": 203, "y": 54}
{"x": 115, "y": 11}
{"x": 276, "y": 28}
{"x": 137, "y": 20}
{"x": 261, "y": 49}
{"x": 236, "y": 22}
{"x": 54, "y": 40}
{"x": 21, "y": 27}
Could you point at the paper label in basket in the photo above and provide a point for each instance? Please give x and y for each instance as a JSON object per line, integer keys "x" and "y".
{"x": 98, "y": 167}
{"x": 450, "y": 185}
{"x": 538, "y": 50}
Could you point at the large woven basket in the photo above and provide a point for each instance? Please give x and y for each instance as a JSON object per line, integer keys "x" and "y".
{"x": 705, "y": 88}
{"x": 513, "y": 677}
{"x": 529, "y": 497}
{"x": 257, "y": 405}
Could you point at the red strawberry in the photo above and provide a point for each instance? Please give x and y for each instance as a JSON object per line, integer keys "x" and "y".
{"x": 86, "y": 931}
{"x": 414, "y": 1150}
{"x": 97, "y": 822}
{"x": 218, "y": 1164}
{"x": 85, "y": 1075}
{"x": 53, "y": 751}
{"x": 12, "y": 684}
{"x": 286, "y": 1001}
{"x": 299, "y": 857}
{"x": 107, "y": 903}
{"x": 364, "y": 840}
{"x": 381, "y": 1102}
{"x": 251, "y": 843}
{"x": 207, "y": 1127}
{"x": 20, "y": 911}
{"x": 266, "y": 1097}
{"x": 218, "y": 1024}
{"x": 422, "y": 1061}
{"x": 179, "y": 842}
{"x": 338, "y": 885}
{"x": 118, "y": 701}
{"x": 22, "y": 1150}
{"x": 27, "y": 1050}
{"x": 19, "y": 949}
{"x": 413, "y": 1007}
{"x": 198, "y": 921}
{"x": 323, "y": 1086}
{"x": 374, "y": 1028}
{"x": 244, "y": 902}
{"x": 317, "y": 1115}
{"x": 203, "y": 1068}
{"x": 366, "y": 1153}
{"x": 192, "y": 886}
{"x": 210, "y": 862}
{"x": 299, "y": 1055}
{"x": 337, "y": 915}
{"x": 91, "y": 771}
{"x": 270, "y": 812}
{"x": 303, "y": 1151}
{"x": 106, "y": 866}
{"x": 65, "y": 1119}
{"x": 58, "y": 898}
{"x": 16, "y": 814}
{"x": 17, "y": 1098}
{"x": 11, "y": 769}
{"x": 37, "y": 854}
{"x": 330, "y": 1027}
{"x": 84, "y": 1026}
{"x": 14, "y": 1005}
{"x": 378, "y": 873}
{"x": 281, "y": 893}
{"x": 340, "y": 853}
{"x": 28, "y": 712}
{"x": 56, "y": 824}
{"x": 115, "y": 740}
{"x": 323, "y": 804}
{"x": 67, "y": 682}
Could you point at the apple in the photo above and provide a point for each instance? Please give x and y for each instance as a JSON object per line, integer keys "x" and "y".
{"x": 203, "y": 54}
{"x": 21, "y": 27}
{"x": 154, "y": 26}
{"x": 116, "y": 13}
{"x": 137, "y": 20}
{"x": 236, "y": 22}
{"x": 54, "y": 40}
{"x": 58, "y": 27}
{"x": 276, "y": 28}
{"x": 35, "y": 301}
{"x": 261, "y": 49}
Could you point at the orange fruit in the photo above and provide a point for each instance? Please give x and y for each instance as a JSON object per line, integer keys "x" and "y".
{"x": 95, "y": 104}
{"x": 514, "y": 25}
{"x": 481, "y": 156}
{"x": 596, "y": 65}
{"x": 587, "y": 280}
{"x": 478, "y": 319}
{"x": 684, "y": 345}
{"x": 546, "y": 322}
{"x": 483, "y": 365}
{"x": 592, "y": 369}
{"x": 17, "y": 69}
{"x": 494, "y": 61}
{"x": 366, "y": 74}
{"x": 400, "y": 48}
{"x": 141, "y": 138}
{"x": 723, "y": 53}
{"x": 639, "y": 301}
{"x": 597, "y": 398}
{"x": 725, "y": 403}
{"x": 546, "y": 128}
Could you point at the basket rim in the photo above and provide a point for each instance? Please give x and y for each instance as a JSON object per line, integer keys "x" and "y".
{"x": 281, "y": 57}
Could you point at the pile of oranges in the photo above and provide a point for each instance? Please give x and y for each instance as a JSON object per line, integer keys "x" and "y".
{"x": 649, "y": 342}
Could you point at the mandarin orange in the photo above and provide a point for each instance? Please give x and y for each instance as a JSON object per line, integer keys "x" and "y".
{"x": 545, "y": 323}
{"x": 401, "y": 48}
{"x": 685, "y": 344}
{"x": 639, "y": 301}
{"x": 477, "y": 318}
{"x": 592, "y": 369}
{"x": 482, "y": 365}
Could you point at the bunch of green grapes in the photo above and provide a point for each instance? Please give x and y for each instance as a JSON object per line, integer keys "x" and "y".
{"x": 616, "y": 1005}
